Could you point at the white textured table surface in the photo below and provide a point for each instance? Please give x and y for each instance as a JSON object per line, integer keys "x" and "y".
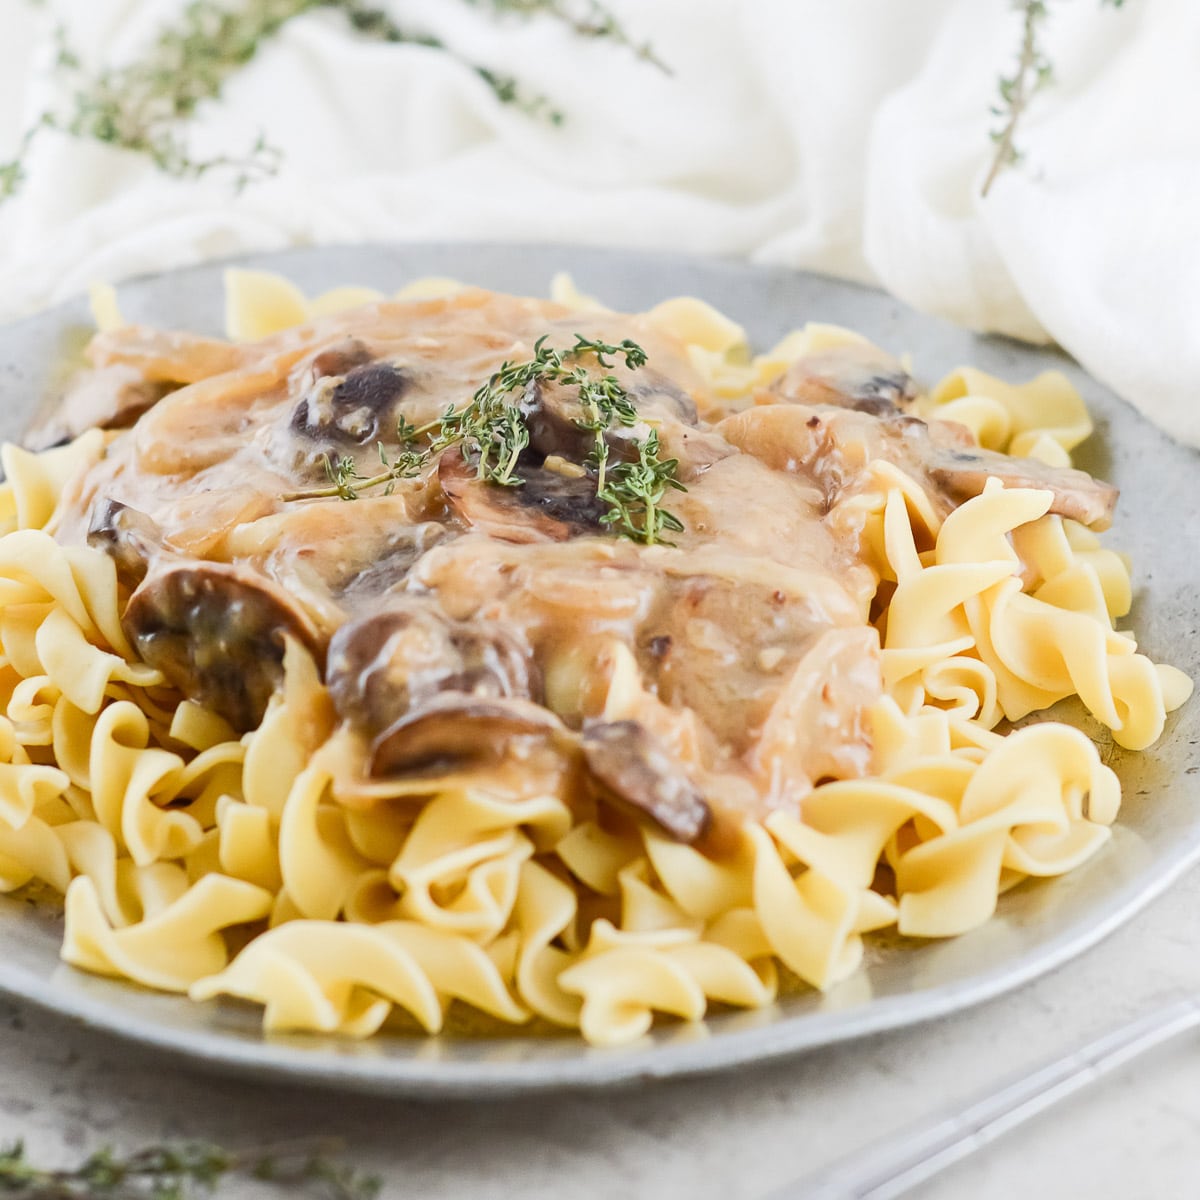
{"x": 737, "y": 1135}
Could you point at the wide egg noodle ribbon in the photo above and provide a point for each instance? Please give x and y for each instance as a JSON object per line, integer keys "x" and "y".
{"x": 165, "y": 830}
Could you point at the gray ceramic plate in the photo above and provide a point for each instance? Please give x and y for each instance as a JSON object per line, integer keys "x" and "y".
{"x": 1039, "y": 926}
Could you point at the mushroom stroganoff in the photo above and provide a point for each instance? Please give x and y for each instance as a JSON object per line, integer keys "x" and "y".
{"x": 570, "y": 665}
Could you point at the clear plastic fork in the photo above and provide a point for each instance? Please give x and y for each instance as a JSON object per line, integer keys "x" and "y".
{"x": 896, "y": 1164}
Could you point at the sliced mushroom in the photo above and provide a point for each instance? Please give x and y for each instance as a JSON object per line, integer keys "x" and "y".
{"x": 385, "y": 665}
{"x": 654, "y": 395}
{"x": 359, "y": 408}
{"x": 375, "y": 386}
{"x": 547, "y": 506}
{"x": 858, "y": 376}
{"x": 168, "y": 356}
{"x": 836, "y": 446}
{"x": 127, "y": 536}
{"x": 456, "y": 731}
{"x": 356, "y": 580}
{"x": 553, "y": 413}
{"x": 217, "y": 632}
{"x": 111, "y": 397}
{"x": 960, "y": 470}
{"x": 634, "y": 768}
{"x": 339, "y": 359}
{"x": 962, "y": 474}
{"x": 557, "y": 420}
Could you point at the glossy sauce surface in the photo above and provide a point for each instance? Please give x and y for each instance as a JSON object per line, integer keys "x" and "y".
{"x": 450, "y": 613}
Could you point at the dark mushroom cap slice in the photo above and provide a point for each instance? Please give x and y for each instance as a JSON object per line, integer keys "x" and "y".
{"x": 369, "y": 569}
{"x": 385, "y": 664}
{"x": 340, "y": 358}
{"x": 635, "y": 769}
{"x": 556, "y": 418}
{"x": 546, "y": 507}
{"x": 111, "y": 397}
{"x": 130, "y": 538}
{"x": 858, "y": 376}
{"x": 655, "y": 394}
{"x": 359, "y": 409}
{"x": 456, "y": 731}
{"x": 217, "y": 632}
{"x": 552, "y": 412}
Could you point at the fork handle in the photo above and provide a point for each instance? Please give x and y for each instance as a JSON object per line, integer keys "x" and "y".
{"x": 899, "y": 1162}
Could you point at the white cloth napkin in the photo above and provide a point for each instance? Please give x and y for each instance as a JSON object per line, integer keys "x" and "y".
{"x": 850, "y": 138}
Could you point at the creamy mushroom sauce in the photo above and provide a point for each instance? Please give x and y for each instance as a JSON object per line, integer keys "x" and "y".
{"x": 462, "y": 626}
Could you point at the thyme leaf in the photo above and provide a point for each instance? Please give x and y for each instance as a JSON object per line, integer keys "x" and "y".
{"x": 341, "y": 476}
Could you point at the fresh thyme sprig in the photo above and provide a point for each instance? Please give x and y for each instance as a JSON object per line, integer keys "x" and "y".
{"x": 142, "y": 107}
{"x": 175, "y": 1171}
{"x": 604, "y": 401}
{"x": 589, "y": 19}
{"x": 488, "y": 424}
{"x": 1033, "y": 72}
{"x": 492, "y": 433}
{"x": 346, "y": 481}
{"x": 376, "y": 24}
{"x": 145, "y": 107}
{"x": 635, "y": 492}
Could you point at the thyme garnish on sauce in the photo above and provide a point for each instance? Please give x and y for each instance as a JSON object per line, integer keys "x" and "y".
{"x": 489, "y": 426}
{"x": 345, "y": 480}
{"x": 492, "y": 434}
{"x": 635, "y": 491}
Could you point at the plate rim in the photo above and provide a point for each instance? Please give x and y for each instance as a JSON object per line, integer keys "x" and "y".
{"x": 285, "y": 1060}
{"x": 599, "y": 1068}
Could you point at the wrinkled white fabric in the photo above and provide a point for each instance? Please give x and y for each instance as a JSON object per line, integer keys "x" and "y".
{"x": 850, "y": 138}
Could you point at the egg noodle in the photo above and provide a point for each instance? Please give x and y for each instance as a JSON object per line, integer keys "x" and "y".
{"x": 199, "y": 862}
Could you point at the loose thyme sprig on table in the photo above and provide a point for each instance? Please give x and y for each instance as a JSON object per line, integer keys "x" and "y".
{"x": 492, "y": 434}
{"x": 587, "y": 18}
{"x": 1033, "y": 72}
{"x": 176, "y": 1171}
{"x": 144, "y": 107}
